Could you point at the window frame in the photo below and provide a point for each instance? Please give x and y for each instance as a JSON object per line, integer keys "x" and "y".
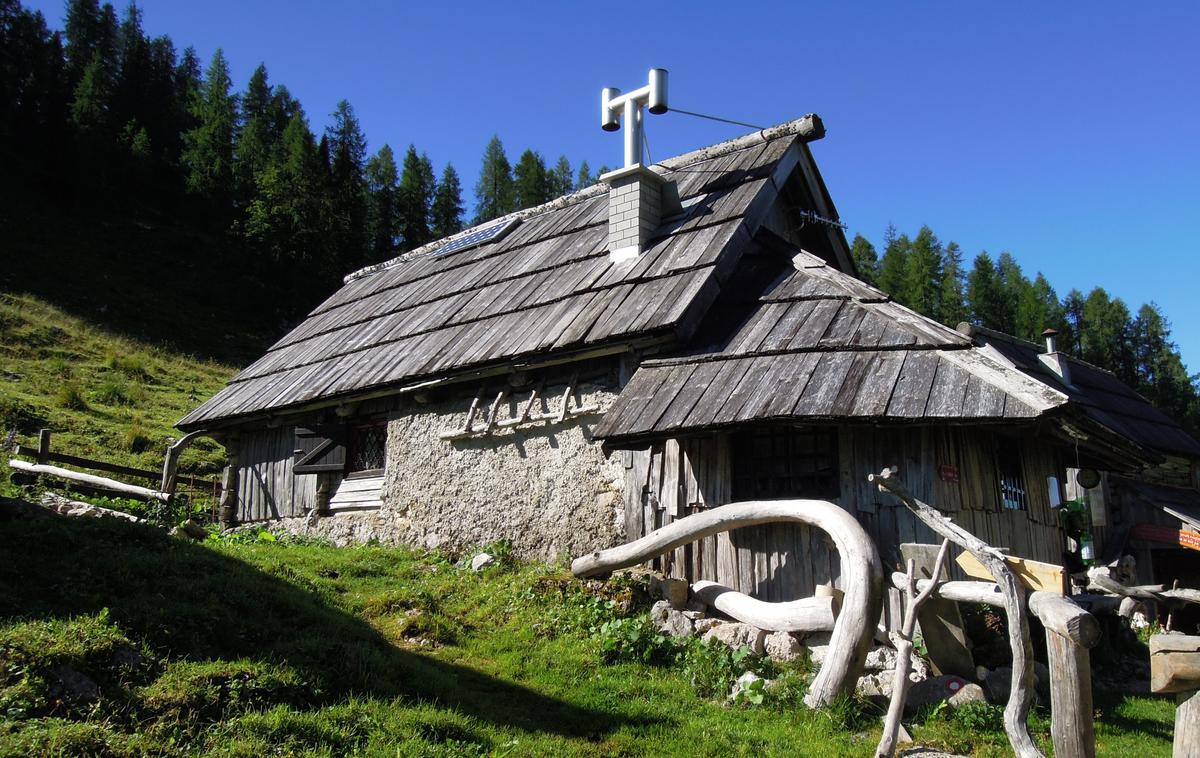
{"x": 802, "y": 461}
{"x": 353, "y": 431}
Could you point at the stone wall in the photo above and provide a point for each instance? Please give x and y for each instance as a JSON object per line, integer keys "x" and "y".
{"x": 545, "y": 487}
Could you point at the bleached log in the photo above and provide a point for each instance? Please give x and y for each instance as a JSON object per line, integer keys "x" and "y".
{"x": 1020, "y": 699}
{"x": 103, "y": 482}
{"x": 987, "y": 593}
{"x": 810, "y": 614}
{"x": 862, "y": 574}
{"x": 1175, "y": 667}
{"x": 1061, "y": 615}
{"x": 1072, "y": 730}
{"x": 904, "y": 648}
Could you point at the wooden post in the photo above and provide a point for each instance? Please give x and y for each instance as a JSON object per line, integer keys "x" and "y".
{"x": 229, "y": 485}
{"x": 43, "y": 454}
{"x": 1071, "y": 727}
{"x": 1175, "y": 667}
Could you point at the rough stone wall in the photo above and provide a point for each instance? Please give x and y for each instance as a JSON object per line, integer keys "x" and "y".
{"x": 545, "y": 487}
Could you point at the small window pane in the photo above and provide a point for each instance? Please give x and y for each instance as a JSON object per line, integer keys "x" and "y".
{"x": 368, "y": 447}
{"x": 785, "y": 462}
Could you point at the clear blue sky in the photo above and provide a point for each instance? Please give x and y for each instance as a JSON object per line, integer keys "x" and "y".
{"x": 1065, "y": 133}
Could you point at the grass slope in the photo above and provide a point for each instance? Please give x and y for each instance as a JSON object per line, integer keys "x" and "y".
{"x": 264, "y": 648}
{"x": 102, "y": 395}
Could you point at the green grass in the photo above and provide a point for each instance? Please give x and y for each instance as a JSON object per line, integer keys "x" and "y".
{"x": 255, "y": 647}
{"x": 103, "y": 396}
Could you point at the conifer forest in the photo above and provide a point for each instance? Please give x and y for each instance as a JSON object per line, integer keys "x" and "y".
{"x": 105, "y": 126}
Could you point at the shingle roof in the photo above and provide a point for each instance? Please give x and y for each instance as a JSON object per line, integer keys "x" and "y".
{"x": 1100, "y": 395}
{"x": 822, "y": 345}
{"x": 547, "y": 286}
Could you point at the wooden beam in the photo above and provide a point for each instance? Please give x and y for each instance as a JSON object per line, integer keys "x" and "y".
{"x": 132, "y": 490}
{"x": 1061, "y": 615}
{"x": 1071, "y": 719}
{"x": 1034, "y": 575}
{"x": 1174, "y": 663}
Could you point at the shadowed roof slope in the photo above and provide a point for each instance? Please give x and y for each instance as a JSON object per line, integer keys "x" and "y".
{"x": 548, "y": 286}
{"x": 821, "y": 345}
{"x": 1101, "y": 396}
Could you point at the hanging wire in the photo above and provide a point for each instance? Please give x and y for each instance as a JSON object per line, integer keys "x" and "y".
{"x": 716, "y": 118}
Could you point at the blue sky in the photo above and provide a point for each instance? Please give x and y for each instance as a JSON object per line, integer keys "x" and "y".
{"x": 1065, "y": 133}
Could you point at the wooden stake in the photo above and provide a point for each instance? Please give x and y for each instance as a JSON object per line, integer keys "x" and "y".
{"x": 904, "y": 648}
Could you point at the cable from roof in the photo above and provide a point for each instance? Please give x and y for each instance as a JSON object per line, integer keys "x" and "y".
{"x": 716, "y": 118}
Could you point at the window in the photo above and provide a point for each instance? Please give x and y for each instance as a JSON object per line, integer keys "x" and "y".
{"x": 1013, "y": 496}
{"x": 781, "y": 462}
{"x": 366, "y": 448}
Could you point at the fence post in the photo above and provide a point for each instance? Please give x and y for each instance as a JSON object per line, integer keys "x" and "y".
{"x": 43, "y": 455}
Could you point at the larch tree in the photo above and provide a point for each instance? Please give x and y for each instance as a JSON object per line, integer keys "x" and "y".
{"x": 494, "y": 196}
{"x": 447, "y": 209}
{"x": 1038, "y": 309}
{"x": 866, "y": 260}
{"x": 985, "y": 295}
{"x": 383, "y": 184}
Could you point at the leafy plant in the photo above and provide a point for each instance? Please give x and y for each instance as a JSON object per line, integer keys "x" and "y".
{"x": 634, "y": 640}
{"x": 712, "y": 667}
{"x": 980, "y": 717}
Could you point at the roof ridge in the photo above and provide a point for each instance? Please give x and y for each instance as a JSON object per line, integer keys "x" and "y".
{"x": 808, "y": 126}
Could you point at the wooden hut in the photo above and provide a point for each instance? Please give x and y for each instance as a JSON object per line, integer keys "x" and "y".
{"x": 526, "y": 381}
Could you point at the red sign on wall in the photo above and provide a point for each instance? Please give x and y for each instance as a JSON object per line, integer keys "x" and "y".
{"x": 948, "y": 473}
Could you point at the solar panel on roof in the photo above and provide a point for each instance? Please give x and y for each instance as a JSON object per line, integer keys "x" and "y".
{"x": 478, "y": 237}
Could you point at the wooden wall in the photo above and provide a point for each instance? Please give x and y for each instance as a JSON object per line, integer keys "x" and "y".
{"x": 266, "y": 487}
{"x": 675, "y": 478}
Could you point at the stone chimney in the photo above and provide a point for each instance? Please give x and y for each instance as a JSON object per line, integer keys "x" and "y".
{"x": 635, "y": 209}
{"x": 1053, "y": 359}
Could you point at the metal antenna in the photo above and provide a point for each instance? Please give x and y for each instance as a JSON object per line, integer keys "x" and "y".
{"x": 614, "y": 107}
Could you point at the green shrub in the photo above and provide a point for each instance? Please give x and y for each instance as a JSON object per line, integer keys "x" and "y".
{"x": 634, "y": 640}
{"x": 69, "y": 395}
{"x": 113, "y": 390}
{"x": 135, "y": 438}
{"x": 980, "y": 717}
{"x": 712, "y": 667}
{"x": 131, "y": 365}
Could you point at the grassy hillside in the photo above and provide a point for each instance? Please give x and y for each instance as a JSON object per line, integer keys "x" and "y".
{"x": 117, "y": 640}
{"x": 102, "y": 395}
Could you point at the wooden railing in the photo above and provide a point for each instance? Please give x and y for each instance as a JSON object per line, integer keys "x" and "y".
{"x": 44, "y": 457}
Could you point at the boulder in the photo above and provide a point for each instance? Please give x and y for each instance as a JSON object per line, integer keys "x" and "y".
{"x": 875, "y": 686}
{"x": 705, "y": 624}
{"x": 738, "y": 635}
{"x": 881, "y": 659}
{"x": 970, "y": 693}
{"x": 932, "y": 691}
{"x": 782, "y": 646}
{"x": 482, "y": 561}
{"x": 818, "y": 647}
{"x": 669, "y": 621}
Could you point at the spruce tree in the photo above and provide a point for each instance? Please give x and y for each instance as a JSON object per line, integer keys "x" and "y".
{"x": 562, "y": 180}
{"x": 952, "y": 308}
{"x": 893, "y": 264}
{"x": 1038, "y": 309}
{"x": 415, "y": 201}
{"x": 866, "y": 260}
{"x": 254, "y": 143}
{"x": 494, "y": 195}
{"x": 985, "y": 295}
{"x": 447, "y": 205}
{"x": 531, "y": 182}
{"x": 90, "y": 106}
{"x": 208, "y": 148}
{"x": 1105, "y": 335}
{"x": 1072, "y": 308}
{"x": 347, "y": 149}
{"x": 922, "y": 285}
{"x": 384, "y": 213}
{"x": 584, "y": 179}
